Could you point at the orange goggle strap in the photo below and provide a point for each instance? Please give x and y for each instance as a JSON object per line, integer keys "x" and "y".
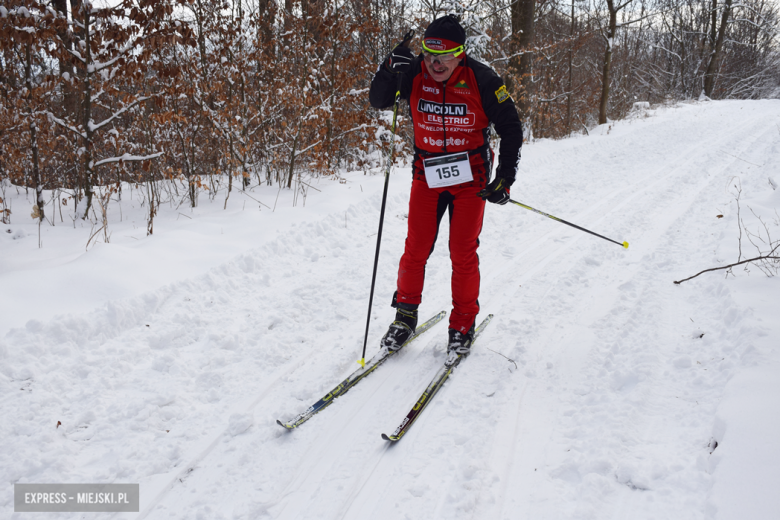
{"x": 455, "y": 52}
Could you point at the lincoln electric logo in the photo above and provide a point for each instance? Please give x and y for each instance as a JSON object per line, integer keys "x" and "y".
{"x": 454, "y": 114}
{"x": 429, "y": 107}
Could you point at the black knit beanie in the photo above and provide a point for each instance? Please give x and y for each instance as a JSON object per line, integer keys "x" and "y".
{"x": 448, "y": 30}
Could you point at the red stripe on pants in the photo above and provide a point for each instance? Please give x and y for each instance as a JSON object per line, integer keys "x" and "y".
{"x": 426, "y": 208}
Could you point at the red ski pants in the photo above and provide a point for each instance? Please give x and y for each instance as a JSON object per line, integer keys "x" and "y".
{"x": 426, "y": 209}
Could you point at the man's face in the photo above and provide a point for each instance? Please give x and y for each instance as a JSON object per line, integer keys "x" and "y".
{"x": 441, "y": 69}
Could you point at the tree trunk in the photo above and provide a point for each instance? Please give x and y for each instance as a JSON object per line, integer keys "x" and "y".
{"x": 202, "y": 42}
{"x": 312, "y": 12}
{"x": 610, "y": 36}
{"x": 521, "y": 66}
{"x": 570, "y": 83}
{"x": 69, "y": 96}
{"x": 231, "y": 159}
{"x": 151, "y": 192}
{"x": 266, "y": 13}
{"x": 712, "y": 67}
{"x": 288, "y": 8}
{"x": 332, "y": 97}
{"x": 86, "y": 107}
{"x": 38, "y": 183}
{"x": 292, "y": 153}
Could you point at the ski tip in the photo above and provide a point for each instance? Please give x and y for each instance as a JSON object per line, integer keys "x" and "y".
{"x": 284, "y": 425}
{"x": 389, "y": 438}
{"x": 485, "y": 322}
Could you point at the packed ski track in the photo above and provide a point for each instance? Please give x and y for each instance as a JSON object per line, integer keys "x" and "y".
{"x": 599, "y": 390}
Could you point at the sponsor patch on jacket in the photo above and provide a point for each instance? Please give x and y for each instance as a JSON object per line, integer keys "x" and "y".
{"x": 448, "y": 109}
{"x": 502, "y": 94}
{"x": 461, "y": 84}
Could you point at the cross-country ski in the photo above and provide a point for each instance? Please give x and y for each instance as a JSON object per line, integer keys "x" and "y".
{"x": 453, "y": 360}
{"x": 357, "y": 376}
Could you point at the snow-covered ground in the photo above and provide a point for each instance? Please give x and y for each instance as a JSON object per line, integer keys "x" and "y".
{"x": 599, "y": 390}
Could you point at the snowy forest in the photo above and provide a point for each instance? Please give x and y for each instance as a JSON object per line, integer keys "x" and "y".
{"x": 188, "y": 98}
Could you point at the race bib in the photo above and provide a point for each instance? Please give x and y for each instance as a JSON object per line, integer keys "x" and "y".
{"x": 447, "y": 170}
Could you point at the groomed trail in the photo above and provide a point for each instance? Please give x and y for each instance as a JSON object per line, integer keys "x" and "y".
{"x": 594, "y": 393}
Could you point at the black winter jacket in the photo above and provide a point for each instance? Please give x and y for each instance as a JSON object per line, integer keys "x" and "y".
{"x": 451, "y": 98}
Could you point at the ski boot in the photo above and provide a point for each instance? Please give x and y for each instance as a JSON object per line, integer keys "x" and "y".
{"x": 460, "y": 343}
{"x": 401, "y": 329}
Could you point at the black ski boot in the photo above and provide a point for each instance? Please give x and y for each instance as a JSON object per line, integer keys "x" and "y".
{"x": 460, "y": 343}
{"x": 401, "y": 329}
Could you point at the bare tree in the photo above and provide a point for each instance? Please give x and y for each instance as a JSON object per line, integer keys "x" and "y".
{"x": 717, "y": 44}
{"x": 613, "y": 8}
{"x": 522, "y": 54}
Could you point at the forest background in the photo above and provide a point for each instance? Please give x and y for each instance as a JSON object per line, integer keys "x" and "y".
{"x": 188, "y": 98}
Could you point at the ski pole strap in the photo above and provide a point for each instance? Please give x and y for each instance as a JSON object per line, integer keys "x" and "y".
{"x": 624, "y": 244}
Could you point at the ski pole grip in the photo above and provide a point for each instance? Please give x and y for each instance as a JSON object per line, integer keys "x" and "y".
{"x": 407, "y": 38}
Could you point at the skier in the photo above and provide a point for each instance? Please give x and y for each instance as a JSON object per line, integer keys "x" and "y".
{"x": 453, "y": 99}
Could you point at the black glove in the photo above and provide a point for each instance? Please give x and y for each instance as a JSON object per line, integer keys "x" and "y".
{"x": 399, "y": 60}
{"x": 496, "y": 192}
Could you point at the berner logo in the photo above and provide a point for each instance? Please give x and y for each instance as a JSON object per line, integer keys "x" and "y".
{"x": 429, "y": 107}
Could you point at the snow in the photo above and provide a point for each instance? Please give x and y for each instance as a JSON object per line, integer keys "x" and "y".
{"x": 598, "y": 391}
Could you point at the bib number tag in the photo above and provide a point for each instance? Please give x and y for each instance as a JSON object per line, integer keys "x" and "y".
{"x": 447, "y": 170}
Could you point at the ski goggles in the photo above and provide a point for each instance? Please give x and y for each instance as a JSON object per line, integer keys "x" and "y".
{"x": 432, "y": 55}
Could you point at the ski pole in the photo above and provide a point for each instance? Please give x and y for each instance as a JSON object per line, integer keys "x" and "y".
{"x": 389, "y": 154}
{"x": 624, "y": 244}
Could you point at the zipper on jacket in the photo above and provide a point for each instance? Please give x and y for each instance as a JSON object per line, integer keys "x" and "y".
{"x": 443, "y": 112}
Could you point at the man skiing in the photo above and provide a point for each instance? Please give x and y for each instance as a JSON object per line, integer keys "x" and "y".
{"x": 453, "y": 100}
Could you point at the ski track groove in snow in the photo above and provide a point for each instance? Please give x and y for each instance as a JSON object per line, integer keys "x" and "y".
{"x": 341, "y": 412}
{"x": 542, "y": 252}
{"x": 194, "y": 463}
{"x": 346, "y": 411}
{"x": 666, "y": 223}
{"x": 574, "y": 262}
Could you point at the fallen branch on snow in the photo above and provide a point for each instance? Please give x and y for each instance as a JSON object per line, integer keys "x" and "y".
{"x": 764, "y": 259}
{"x": 756, "y": 259}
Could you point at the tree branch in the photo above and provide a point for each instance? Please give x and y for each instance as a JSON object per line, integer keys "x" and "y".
{"x": 66, "y": 126}
{"x": 95, "y": 127}
{"x": 730, "y": 266}
{"x": 127, "y": 158}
